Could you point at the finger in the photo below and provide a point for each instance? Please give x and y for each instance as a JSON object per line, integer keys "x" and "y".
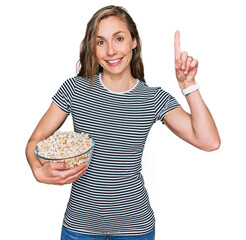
{"x": 59, "y": 166}
{"x": 184, "y": 56}
{"x": 194, "y": 63}
{"x": 68, "y": 176}
{"x": 66, "y": 173}
{"x": 81, "y": 173}
{"x": 75, "y": 177}
{"x": 188, "y": 63}
{"x": 177, "y": 45}
{"x": 76, "y": 170}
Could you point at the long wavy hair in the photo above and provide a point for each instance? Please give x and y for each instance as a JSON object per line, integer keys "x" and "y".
{"x": 87, "y": 65}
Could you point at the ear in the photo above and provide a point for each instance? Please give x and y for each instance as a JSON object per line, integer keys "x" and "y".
{"x": 134, "y": 43}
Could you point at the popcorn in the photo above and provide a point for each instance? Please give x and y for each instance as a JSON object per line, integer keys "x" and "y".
{"x": 65, "y": 147}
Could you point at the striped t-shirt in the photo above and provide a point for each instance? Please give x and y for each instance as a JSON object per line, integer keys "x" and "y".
{"x": 110, "y": 198}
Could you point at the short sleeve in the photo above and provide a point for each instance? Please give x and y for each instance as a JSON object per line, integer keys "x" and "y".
{"x": 64, "y": 96}
{"x": 164, "y": 102}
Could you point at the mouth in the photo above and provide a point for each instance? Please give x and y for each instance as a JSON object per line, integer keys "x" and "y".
{"x": 114, "y": 62}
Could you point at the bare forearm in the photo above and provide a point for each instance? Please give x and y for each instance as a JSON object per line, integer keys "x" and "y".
{"x": 204, "y": 128}
{"x": 30, "y": 154}
{"x": 49, "y": 123}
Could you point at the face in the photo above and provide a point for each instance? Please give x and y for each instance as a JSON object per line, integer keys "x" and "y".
{"x": 114, "y": 46}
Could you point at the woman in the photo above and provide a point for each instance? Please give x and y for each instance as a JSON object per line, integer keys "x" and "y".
{"x": 110, "y": 100}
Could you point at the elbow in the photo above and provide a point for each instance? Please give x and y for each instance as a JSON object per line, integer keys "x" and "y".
{"x": 212, "y": 146}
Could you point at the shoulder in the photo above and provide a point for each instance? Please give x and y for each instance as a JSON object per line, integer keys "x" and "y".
{"x": 74, "y": 82}
{"x": 77, "y": 80}
{"x": 159, "y": 96}
{"x": 154, "y": 91}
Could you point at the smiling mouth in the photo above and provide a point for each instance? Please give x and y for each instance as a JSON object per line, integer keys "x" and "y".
{"x": 114, "y": 61}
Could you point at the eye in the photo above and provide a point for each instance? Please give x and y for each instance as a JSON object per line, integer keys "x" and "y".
{"x": 118, "y": 39}
{"x": 101, "y": 42}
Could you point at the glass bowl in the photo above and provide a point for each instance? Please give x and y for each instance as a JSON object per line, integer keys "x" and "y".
{"x": 74, "y": 161}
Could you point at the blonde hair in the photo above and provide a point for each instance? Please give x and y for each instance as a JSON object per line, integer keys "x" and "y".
{"x": 88, "y": 66}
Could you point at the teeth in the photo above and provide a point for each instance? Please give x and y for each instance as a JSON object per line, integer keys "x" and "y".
{"x": 114, "y": 61}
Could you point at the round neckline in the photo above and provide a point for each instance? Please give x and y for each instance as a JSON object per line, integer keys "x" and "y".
{"x": 111, "y": 91}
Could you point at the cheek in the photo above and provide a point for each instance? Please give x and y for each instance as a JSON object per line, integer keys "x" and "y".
{"x": 126, "y": 49}
{"x": 98, "y": 53}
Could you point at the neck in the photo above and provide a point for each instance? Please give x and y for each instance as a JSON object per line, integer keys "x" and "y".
{"x": 118, "y": 82}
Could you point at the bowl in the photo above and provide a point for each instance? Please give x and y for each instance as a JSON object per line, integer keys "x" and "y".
{"x": 73, "y": 161}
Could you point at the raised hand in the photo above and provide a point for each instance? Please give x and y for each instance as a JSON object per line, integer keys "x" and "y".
{"x": 185, "y": 66}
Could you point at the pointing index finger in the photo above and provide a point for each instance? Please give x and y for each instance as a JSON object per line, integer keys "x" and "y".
{"x": 177, "y": 45}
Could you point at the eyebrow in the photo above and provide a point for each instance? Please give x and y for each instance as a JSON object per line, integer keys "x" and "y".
{"x": 116, "y": 33}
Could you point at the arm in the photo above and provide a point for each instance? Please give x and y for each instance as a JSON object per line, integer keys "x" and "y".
{"x": 51, "y": 173}
{"x": 197, "y": 128}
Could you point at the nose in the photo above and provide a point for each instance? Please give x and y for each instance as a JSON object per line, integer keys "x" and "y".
{"x": 111, "y": 49}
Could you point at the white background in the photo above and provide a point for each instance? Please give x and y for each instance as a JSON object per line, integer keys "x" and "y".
{"x": 194, "y": 194}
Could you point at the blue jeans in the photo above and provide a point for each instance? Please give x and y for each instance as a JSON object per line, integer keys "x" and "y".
{"x": 69, "y": 235}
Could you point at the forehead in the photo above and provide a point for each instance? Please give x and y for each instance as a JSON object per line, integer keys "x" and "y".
{"x": 110, "y": 25}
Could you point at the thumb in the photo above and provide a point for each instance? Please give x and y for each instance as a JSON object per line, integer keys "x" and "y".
{"x": 60, "y": 166}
